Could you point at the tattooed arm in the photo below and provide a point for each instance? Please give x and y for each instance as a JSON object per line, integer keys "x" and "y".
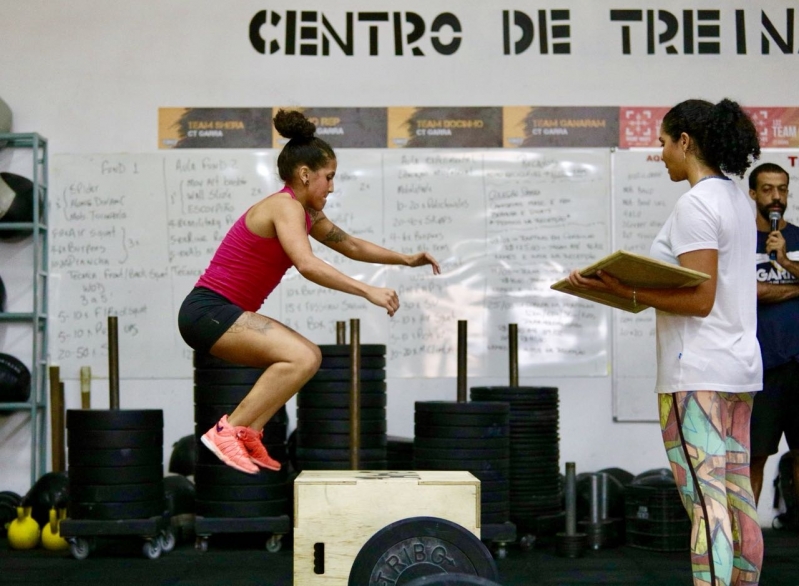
{"x": 334, "y": 237}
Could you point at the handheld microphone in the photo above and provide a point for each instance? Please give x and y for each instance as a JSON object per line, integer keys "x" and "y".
{"x": 775, "y": 218}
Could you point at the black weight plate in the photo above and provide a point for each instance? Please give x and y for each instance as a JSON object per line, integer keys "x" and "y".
{"x": 344, "y": 362}
{"x": 491, "y": 475}
{"x": 439, "y": 547}
{"x": 494, "y": 518}
{"x": 121, "y": 457}
{"x": 79, "y": 439}
{"x": 495, "y": 486}
{"x": 459, "y": 421}
{"x": 344, "y": 349}
{"x": 455, "y": 408}
{"x": 116, "y": 511}
{"x": 232, "y": 492}
{"x": 467, "y": 444}
{"x": 502, "y": 506}
{"x": 114, "y": 419}
{"x": 470, "y": 465}
{"x": 341, "y": 465}
{"x": 367, "y": 426}
{"x": 521, "y": 392}
{"x": 226, "y": 376}
{"x": 205, "y": 394}
{"x": 471, "y": 432}
{"x": 115, "y": 475}
{"x": 338, "y": 401}
{"x": 460, "y": 454}
{"x": 227, "y": 509}
{"x": 494, "y": 496}
{"x": 333, "y": 455}
{"x": 343, "y": 374}
{"x": 120, "y": 493}
{"x": 451, "y": 580}
{"x": 366, "y": 386}
{"x": 339, "y": 440}
{"x": 339, "y": 414}
{"x": 221, "y": 474}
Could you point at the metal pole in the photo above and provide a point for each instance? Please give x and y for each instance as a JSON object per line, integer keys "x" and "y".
{"x": 85, "y": 387}
{"x": 341, "y": 332}
{"x": 571, "y": 499}
{"x": 513, "y": 350}
{"x": 462, "y": 397}
{"x": 57, "y": 420}
{"x": 355, "y": 394}
{"x": 113, "y": 363}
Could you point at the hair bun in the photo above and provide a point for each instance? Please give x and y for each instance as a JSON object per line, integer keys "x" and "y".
{"x": 293, "y": 124}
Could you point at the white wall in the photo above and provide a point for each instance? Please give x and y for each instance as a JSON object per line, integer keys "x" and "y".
{"x": 90, "y": 76}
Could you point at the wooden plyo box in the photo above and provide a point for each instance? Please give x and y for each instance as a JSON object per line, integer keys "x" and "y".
{"x": 344, "y": 508}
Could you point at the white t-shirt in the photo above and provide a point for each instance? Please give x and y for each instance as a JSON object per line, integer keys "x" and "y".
{"x": 719, "y": 352}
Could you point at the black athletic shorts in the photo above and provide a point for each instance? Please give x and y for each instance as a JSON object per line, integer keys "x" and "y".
{"x": 204, "y": 316}
{"x": 776, "y": 410}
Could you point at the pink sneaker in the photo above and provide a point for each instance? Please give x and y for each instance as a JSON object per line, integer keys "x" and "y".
{"x": 255, "y": 448}
{"x": 226, "y": 442}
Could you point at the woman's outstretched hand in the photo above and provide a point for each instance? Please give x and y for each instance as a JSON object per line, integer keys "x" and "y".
{"x": 424, "y": 258}
{"x": 386, "y": 298}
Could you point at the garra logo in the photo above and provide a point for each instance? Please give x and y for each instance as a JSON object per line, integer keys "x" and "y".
{"x": 312, "y": 32}
{"x": 775, "y": 275}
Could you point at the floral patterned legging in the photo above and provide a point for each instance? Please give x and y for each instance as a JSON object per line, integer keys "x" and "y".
{"x": 706, "y": 435}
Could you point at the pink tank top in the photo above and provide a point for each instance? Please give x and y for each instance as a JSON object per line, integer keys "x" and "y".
{"x": 246, "y": 268}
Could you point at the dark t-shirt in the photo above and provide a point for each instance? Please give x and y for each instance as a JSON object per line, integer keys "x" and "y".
{"x": 778, "y": 323}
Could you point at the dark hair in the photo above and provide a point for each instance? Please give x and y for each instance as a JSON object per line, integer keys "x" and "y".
{"x": 765, "y": 168}
{"x": 303, "y": 148}
{"x": 724, "y": 136}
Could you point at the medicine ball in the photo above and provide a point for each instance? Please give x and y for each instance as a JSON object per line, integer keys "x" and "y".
{"x": 5, "y": 117}
{"x": 16, "y": 204}
{"x": 15, "y": 380}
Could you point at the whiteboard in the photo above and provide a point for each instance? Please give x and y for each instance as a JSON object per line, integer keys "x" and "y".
{"x": 643, "y": 198}
{"x": 131, "y": 233}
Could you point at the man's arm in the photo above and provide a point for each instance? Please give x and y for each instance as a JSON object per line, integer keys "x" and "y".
{"x": 770, "y": 293}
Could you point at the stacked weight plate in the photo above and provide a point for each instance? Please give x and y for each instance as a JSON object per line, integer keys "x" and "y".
{"x": 221, "y": 491}
{"x": 115, "y": 464}
{"x": 399, "y": 453}
{"x": 655, "y": 518}
{"x": 536, "y": 491}
{"x": 472, "y": 437}
{"x": 323, "y": 411}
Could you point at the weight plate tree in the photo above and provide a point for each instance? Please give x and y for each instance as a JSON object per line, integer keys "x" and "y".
{"x": 468, "y": 436}
{"x": 222, "y": 491}
{"x": 226, "y": 500}
{"x": 115, "y": 463}
{"x": 536, "y": 490}
{"x": 409, "y": 549}
{"x": 655, "y": 518}
{"x": 322, "y": 439}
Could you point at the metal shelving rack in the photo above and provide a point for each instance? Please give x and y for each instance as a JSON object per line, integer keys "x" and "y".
{"x": 37, "y": 403}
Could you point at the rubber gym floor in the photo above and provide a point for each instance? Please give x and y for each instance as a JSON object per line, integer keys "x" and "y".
{"x": 241, "y": 560}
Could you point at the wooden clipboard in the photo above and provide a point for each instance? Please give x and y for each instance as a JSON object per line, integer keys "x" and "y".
{"x": 634, "y": 270}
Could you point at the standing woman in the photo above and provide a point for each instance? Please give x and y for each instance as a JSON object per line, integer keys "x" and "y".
{"x": 707, "y": 352}
{"x": 219, "y": 315}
